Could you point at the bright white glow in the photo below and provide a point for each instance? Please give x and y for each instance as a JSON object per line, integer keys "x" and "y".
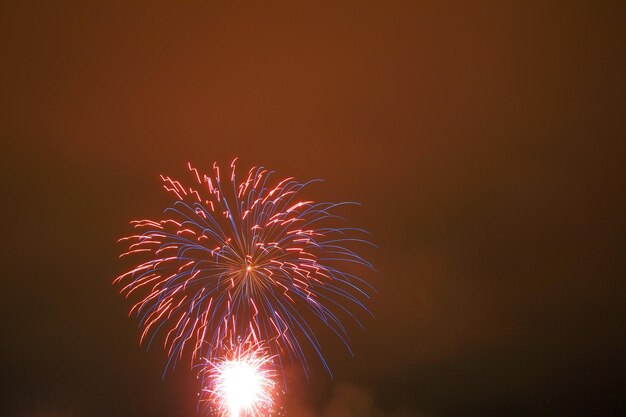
{"x": 241, "y": 385}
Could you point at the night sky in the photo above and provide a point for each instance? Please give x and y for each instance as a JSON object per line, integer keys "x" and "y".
{"x": 485, "y": 142}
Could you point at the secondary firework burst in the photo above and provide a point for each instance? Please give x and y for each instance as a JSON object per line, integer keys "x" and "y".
{"x": 241, "y": 381}
{"x": 242, "y": 256}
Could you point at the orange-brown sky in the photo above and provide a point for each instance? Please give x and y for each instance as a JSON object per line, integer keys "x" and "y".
{"x": 485, "y": 142}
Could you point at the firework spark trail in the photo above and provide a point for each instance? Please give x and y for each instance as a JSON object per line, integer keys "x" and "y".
{"x": 242, "y": 257}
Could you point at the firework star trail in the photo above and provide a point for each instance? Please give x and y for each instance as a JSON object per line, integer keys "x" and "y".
{"x": 242, "y": 257}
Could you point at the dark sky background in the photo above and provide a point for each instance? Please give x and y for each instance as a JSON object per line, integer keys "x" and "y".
{"x": 485, "y": 141}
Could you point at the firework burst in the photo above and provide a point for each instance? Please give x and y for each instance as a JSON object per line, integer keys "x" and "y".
{"x": 242, "y": 257}
{"x": 241, "y": 382}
